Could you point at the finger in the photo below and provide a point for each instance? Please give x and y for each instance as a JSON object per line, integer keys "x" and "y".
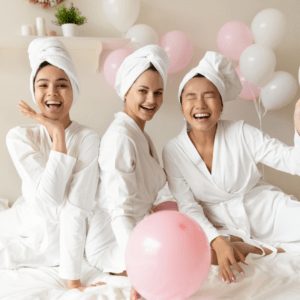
{"x": 242, "y": 259}
{"x": 226, "y": 276}
{"x": 25, "y": 105}
{"x": 100, "y": 283}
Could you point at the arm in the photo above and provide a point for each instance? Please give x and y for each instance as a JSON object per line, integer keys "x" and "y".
{"x": 184, "y": 196}
{"x": 79, "y": 204}
{"x": 46, "y": 179}
{"x": 117, "y": 172}
{"x": 272, "y": 152}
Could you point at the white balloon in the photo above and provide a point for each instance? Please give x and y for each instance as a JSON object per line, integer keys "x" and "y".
{"x": 121, "y": 13}
{"x": 257, "y": 63}
{"x": 279, "y": 91}
{"x": 269, "y": 27}
{"x": 142, "y": 35}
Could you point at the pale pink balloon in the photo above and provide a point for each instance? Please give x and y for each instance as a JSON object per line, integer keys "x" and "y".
{"x": 250, "y": 91}
{"x": 233, "y": 38}
{"x": 113, "y": 63}
{"x": 167, "y": 256}
{"x": 179, "y": 48}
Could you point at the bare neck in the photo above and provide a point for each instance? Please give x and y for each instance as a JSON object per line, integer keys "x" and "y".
{"x": 203, "y": 139}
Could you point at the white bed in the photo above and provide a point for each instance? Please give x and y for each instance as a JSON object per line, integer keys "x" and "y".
{"x": 278, "y": 279}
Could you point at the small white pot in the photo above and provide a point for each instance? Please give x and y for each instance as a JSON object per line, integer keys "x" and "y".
{"x": 70, "y": 29}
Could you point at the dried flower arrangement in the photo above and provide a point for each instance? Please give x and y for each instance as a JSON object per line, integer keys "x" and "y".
{"x": 45, "y": 3}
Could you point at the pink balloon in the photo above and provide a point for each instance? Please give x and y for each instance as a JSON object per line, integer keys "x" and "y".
{"x": 233, "y": 38}
{"x": 113, "y": 63}
{"x": 167, "y": 256}
{"x": 179, "y": 48}
{"x": 250, "y": 91}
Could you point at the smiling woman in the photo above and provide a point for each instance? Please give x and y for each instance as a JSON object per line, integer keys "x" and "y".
{"x": 57, "y": 162}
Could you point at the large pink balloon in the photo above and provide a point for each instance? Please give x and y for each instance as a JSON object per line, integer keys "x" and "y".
{"x": 250, "y": 91}
{"x": 113, "y": 63}
{"x": 179, "y": 48}
{"x": 167, "y": 256}
{"x": 233, "y": 38}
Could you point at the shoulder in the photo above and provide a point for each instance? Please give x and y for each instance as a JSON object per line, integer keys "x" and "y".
{"x": 118, "y": 132}
{"x": 86, "y": 137}
{"x": 26, "y": 133}
{"x": 172, "y": 145}
{"x": 232, "y": 126}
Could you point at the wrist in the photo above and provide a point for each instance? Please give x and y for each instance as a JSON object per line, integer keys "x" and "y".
{"x": 73, "y": 284}
{"x": 214, "y": 243}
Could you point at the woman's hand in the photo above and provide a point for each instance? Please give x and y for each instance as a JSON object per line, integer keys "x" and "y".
{"x": 55, "y": 128}
{"x": 226, "y": 255}
{"x": 297, "y": 116}
{"x": 52, "y": 126}
{"x": 76, "y": 284}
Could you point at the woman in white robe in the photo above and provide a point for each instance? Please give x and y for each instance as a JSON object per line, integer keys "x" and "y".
{"x": 57, "y": 162}
{"x": 132, "y": 180}
{"x": 212, "y": 171}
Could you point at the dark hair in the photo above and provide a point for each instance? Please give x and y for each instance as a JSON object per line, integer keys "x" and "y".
{"x": 42, "y": 65}
{"x": 152, "y": 68}
{"x": 197, "y": 75}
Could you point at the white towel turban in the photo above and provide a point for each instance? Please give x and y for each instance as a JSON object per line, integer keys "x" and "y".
{"x": 54, "y": 52}
{"x": 219, "y": 70}
{"x": 137, "y": 63}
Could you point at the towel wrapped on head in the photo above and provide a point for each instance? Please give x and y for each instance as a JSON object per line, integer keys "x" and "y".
{"x": 137, "y": 63}
{"x": 219, "y": 70}
{"x": 53, "y": 51}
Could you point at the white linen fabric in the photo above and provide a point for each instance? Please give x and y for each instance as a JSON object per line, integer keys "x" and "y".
{"x": 47, "y": 225}
{"x": 137, "y": 63}
{"x": 277, "y": 280}
{"x": 53, "y": 51}
{"x": 233, "y": 199}
{"x": 132, "y": 182}
{"x": 219, "y": 70}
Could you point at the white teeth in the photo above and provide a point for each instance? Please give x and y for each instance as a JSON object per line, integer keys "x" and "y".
{"x": 201, "y": 115}
{"x": 147, "y": 107}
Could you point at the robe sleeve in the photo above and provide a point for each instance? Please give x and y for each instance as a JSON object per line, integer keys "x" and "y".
{"x": 185, "y": 198}
{"x": 79, "y": 204}
{"x": 46, "y": 178}
{"x": 272, "y": 152}
{"x": 117, "y": 162}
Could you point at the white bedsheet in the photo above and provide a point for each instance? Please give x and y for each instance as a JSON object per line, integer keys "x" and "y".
{"x": 278, "y": 279}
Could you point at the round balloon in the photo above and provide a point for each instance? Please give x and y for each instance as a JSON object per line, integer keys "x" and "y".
{"x": 233, "y": 38}
{"x": 179, "y": 48}
{"x": 113, "y": 63}
{"x": 121, "y": 13}
{"x": 167, "y": 256}
{"x": 257, "y": 63}
{"x": 142, "y": 35}
{"x": 269, "y": 27}
{"x": 279, "y": 90}
{"x": 250, "y": 91}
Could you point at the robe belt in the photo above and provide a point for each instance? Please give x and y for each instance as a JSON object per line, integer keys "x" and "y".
{"x": 243, "y": 233}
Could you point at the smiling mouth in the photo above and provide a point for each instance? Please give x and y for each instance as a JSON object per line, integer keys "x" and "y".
{"x": 201, "y": 116}
{"x": 53, "y": 105}
{"x": 148, "y": 108}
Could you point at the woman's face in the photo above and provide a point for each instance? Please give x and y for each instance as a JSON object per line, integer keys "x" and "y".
{"x": 145, "y": 97}
{"x": 201, "y": 104}
{"x": 53, "y": 93}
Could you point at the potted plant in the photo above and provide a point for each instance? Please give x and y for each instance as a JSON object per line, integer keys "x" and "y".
{"x": 68, "y": 19}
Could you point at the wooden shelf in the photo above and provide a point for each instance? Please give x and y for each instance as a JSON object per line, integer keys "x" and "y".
{"x": 71, "y": 43}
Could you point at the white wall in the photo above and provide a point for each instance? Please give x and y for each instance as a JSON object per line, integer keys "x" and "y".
{"x": 200, "y": 19}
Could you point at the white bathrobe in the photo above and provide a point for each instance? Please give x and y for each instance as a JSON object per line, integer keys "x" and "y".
{"x": 233, "y": 199}
{"x": 47, "y": 225}
{"x": 132, "y": 182}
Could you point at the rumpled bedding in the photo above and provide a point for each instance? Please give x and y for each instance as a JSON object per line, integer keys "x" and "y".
{"x": 276, "y": 279}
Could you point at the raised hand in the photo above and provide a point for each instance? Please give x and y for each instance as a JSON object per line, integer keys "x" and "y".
{"x": 297, "y": 116}
{"x": 55, "y": 128}
{"x": 51, "y": 125}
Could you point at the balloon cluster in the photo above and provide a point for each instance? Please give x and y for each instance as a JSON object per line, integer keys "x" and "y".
{"x": 123, "y": 14}
{"x": 257, "y": 61}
